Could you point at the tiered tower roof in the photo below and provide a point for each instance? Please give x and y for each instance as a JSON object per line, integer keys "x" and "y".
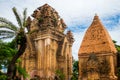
{"x": 48, "y": 17}
{"x": 97, "y": 39}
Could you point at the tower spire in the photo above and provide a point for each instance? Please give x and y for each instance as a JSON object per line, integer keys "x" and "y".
{"x": 95, "y": 14}
{"x": 96, "y": 18}
{"x": 97, "y": 39}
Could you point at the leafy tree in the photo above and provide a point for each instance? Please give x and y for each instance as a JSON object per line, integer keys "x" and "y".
{"x": 7, "y": 51}
{"x": 22, "y": 71}
{"x": 116, "y": 45}
{"x": 118, "y": 59}
{"x": 3, "y": 77}
{"x": 60, "y": 75}
{"x": 118, "y": 52}
{"x": 9, "y": 30}
{"x": 75, "y": 70}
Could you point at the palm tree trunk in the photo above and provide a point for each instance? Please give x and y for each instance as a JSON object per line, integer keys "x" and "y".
{"x": 21, "y": 50}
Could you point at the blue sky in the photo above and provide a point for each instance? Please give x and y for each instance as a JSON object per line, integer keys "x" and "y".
{"x": 77, "y": 14}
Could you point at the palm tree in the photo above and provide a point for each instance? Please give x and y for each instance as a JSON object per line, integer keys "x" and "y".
{"x": 9, "y": 30}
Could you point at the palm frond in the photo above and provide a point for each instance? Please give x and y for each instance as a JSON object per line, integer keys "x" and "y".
{"x": 6, "y": 37}
{"x": 24, "y": 17}
{"x": 18, "y": 18}
{"x": 8, "y": 26}
{"x": 6, "y": 32}
{"x": 6, "y": 23}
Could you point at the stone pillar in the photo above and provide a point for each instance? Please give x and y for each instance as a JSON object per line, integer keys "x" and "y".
{"x": 112, "y": 67}
{"x": 55, "y": 46}
{"x": 40, "y": 57}
{"x": 47, "y": 57}
{"x": 70, "y": 60}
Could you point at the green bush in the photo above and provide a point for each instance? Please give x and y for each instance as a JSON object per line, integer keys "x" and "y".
{"x": 60, "y": 75}
{"x": 3, "y": 77}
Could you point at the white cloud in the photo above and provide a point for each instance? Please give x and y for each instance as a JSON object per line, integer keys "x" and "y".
{"x": 115, "y": 33}
{"x": 78, "y": 11}
{"x": 76, "y": 45}
{"x": 74, "y": 12}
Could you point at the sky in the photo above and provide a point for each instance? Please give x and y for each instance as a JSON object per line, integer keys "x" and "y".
{"x": 77, "y": 14}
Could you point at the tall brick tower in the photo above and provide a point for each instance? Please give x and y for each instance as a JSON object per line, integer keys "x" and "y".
{"x": 97, "y": 54}
{"x": 49, "y": 50}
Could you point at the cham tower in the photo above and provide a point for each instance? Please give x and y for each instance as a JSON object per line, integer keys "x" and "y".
{"x": 97, "y": 54}
{"x": 49, "y": 50}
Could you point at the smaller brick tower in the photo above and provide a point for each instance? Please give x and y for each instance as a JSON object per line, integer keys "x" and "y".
{"x": 97, "y": 54}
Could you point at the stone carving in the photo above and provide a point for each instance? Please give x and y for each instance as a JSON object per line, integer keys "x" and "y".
{"x": 70, "y": 37}
{"x": 106, "y": 69}
{"x": 49, "y": 49}
{"x": 28, "y": 23}
{"x": 48, "y": 17}
{"x": 92, "y": 67}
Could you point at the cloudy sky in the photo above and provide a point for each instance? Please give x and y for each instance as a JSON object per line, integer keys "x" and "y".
{"x": 77, "y": 14}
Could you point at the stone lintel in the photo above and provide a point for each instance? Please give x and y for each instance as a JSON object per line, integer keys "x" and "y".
{"x": 50, "y": 30}
{"x": 61, "y": 59}
{"x": 98, "y": 54}
{"x": 51, "y": 36}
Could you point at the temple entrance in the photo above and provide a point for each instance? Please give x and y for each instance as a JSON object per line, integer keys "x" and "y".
{"x": 92, "y": 67}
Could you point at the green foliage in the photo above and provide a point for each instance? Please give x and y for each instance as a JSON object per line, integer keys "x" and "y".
{"x": 18, "y": 18}
{"x": 20, "y": 37}
{"x": 118, "y": 70}
{"x": 118, "y": 57}
{"x": 75, "y": 66}
{"x": 25, "y": 17}
{"x": 117, "y": 46}
{"x": 74, "y": 76}
{"x": 75, "y": 71}
{"x": 22, "y": 71}
{"x": 40, "y": 20}
{"x": 4, "y": 23}
{"x": 3, "y": 77}
{"x": 7, "y": 51}
{"x": 60, "y": 75}
{"x": 9, "y": 30}
{"x": 114, "y": 41}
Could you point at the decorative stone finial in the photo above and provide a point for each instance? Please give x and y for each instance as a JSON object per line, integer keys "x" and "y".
{"x": 96, "y": 14}
{"x": 96, "y": 18}
{"x": 28, "y": 23}
{"x": 70, "y": 37}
